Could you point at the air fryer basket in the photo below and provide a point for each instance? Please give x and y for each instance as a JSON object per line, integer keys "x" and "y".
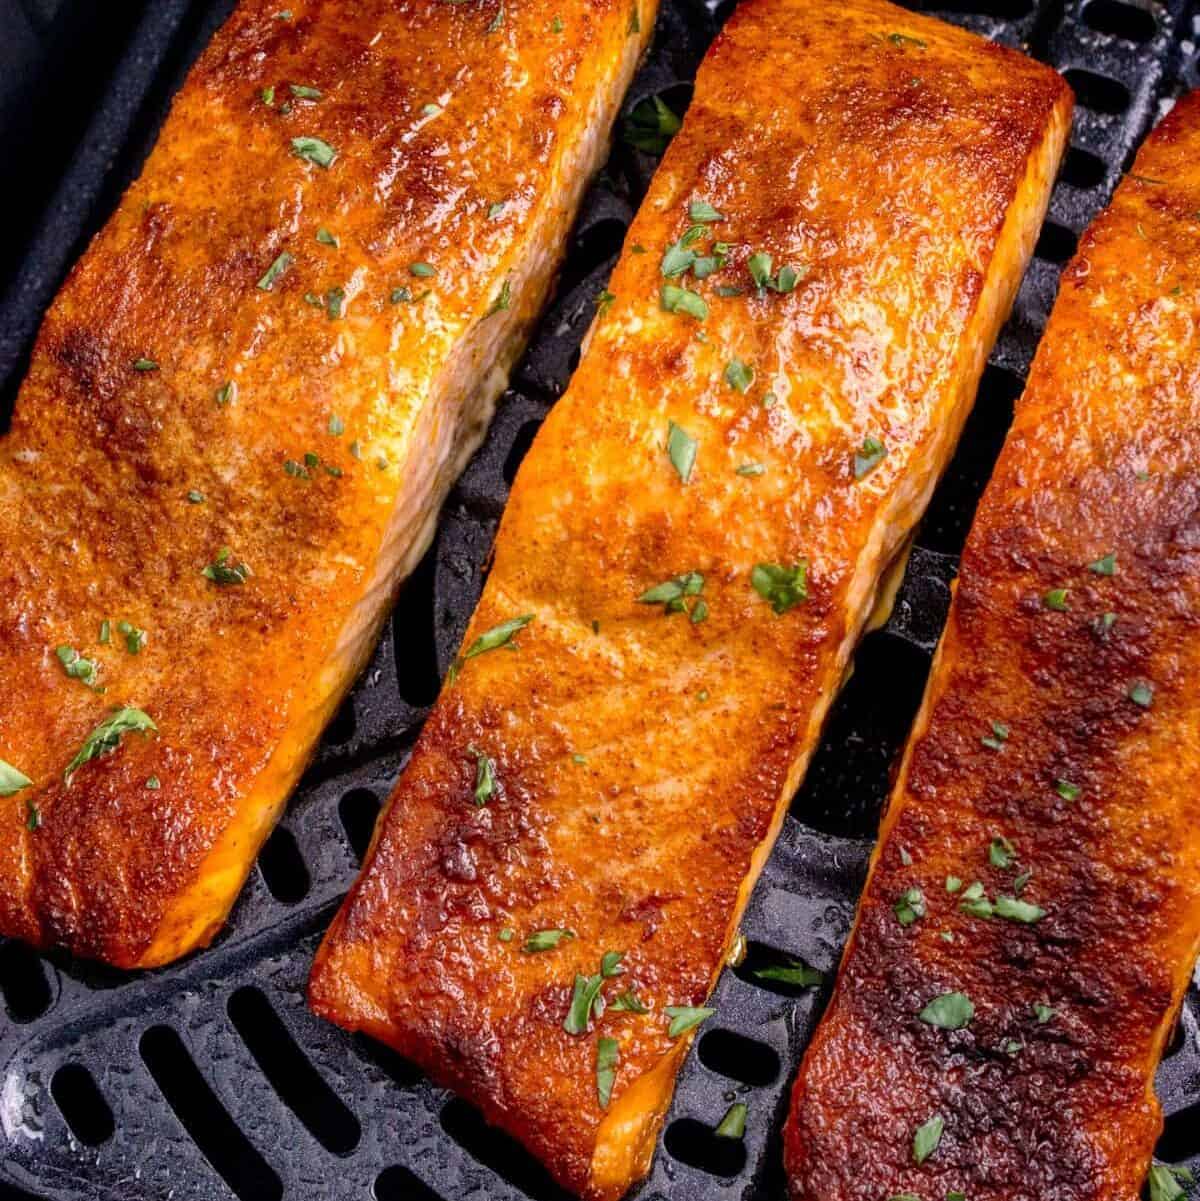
{"x": 211, "y": 1079}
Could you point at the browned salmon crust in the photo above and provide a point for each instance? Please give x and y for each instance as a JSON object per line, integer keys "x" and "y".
{"x": 286, "y": 342}
{"x": 1056, "y": 762}
{"x": 643, "y": 753}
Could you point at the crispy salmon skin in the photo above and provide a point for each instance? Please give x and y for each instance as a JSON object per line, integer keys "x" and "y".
{"x": 241, "y": 416}
{"x": 792, "y": 340}
{"x": 1032, "y": 915}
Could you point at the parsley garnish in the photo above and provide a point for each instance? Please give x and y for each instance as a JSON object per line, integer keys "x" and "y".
{"x": 673, "y": 593}
{"x": 868, "y": 457}
{"x": 651, "y": 126}
{"x": 791, "y": 971}
{"x": 685, "y": 1018}
{"x": 733, "y": 1124}
{"x": 225, "y": 574}
{"x": 76, "y": 667}
{"x": 607, "y": 1055}
{"x": 1042, "y": 1012}
{"x": 583, "y": 1000}
{"x": 926, "y": 1138}
{"x": 1018, "y": 911}
{"x": 145, "y": 365}
{"x": 545, "y": 940}
{"x": 1167, "y": 1182}
{"x": 738, "y": 376}
{"x": 422, "y": 270}
{"x": 273, "y": 274}
{"x": 1001, "y": 853}
{"x": 681, "y": 448}
{"x": 998, "y": 737}
{"x": 227, "y": 393}
{"x": 909, "y": 906}
{"x": 1056, "y": 599}
{"x": 782, "y": 587}
{"x": 503, "y": 300}
{"x": 1104, "y": 566}
{"x": 485, "y": 779}
{"x": 1142, "y": 694}
{"x": 314, "y": 150}
{"x": 326, "y": 238}
{"x": 950, "y": 1011}
{"x": 679, "y": 300}
{"x": 1067, "y": 790}
{"x": 628, "y": 1002}
{"x": 751, "y": 469}
{"x": 12, "y": 780}
{"x": 106, "y": 737}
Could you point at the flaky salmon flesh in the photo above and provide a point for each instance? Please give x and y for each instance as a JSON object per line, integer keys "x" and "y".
{"x": 241, "y": 416}
{"x": 778, "y": 374}
{"x": 1032, "y": 915}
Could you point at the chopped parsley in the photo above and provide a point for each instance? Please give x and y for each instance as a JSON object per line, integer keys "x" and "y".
{"x": 1105, "y": 566}
{"x": 507, "y": 934}
{"x": 273, "y": 274}
{"x": 651, "y": 126}
{"x": 738, "y": 376}
{"x": 76, "y": 666}
{"x": 153, "y": 783}
{"x": 485, "y": 779}
{"x": 950, "y": 1011}
{"x": 1067, "y": 790}
{"x": 681, "y": 449}
{"x": 998, "y": 737}
{"x": 1001, "y": 853}
{"x": 604, "y": 301}
{"x": 503, "y": 300}
{"x": 673, "y": 594}
{"x": 302, "y": 92}
{"x": 608, "y": 1054}
{"x": 337, "y": 427}
{"x": 496, "y": 209}
{"x": 760, "y": 266}
{"x": 12, "y": 781}
{"x": 1014, "y": 910}
{"x": 545, "y": 940}
{"x": 628, "y": 1002}
{"x": 225, "y": 574}
{"x": 926, "y": 1138}
{"x": 733, "y": 1124}
{"x": 135, "y": 639}
{"x": 422, "y": 270}
{"x": 1056, "y": 599}
{"x": 195, "y": 497}
{"x": 1043, "y": 1012}
{"x": 584, "y": 997}
{"x": 701, "y": 210}
{"x": 145, "y": 365}
{"x": 497, "y": 636}
{"x": 314, "y": 150}
{"x": 227, "y": 393}
{"x": 33, "y": 819}
{"x": 782, "y": 587}
{"x": 105, "y": 632}
{"x": 326, "y": 238}
{"x": 1142, "y": 694}
{"x": 868, "y": 457}
{"x": 679, "y": 300}
{"x": 909, "y": 906}
{"x": 685, "y": 1018}
{"x": 106, "y": 737}
{"x": 1167, "y": 1182}
{"x": 751, "y": 469}
{"x": 791, "y": 971}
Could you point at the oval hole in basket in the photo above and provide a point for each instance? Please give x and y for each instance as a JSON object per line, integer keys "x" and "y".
{"x": 82, "y": 1105}
{"x": 1083, "y": 169}
{"x": 283, "y": 867}
{"x": 1133, "y": 23}
{"x": 740, "y": 1058}
{"x": 23, "y": 982}
{"x": 359, "y": 811}
{"x": 220, "y": 1140}
{"x": 1098, "y": 92}
{"x": 399, "y": 1184}
{"x": 697, "y": 1145}
{"x": 299, "y": 1085}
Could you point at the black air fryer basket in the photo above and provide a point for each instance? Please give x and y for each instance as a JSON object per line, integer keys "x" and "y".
{"x": 211, "y": 1080}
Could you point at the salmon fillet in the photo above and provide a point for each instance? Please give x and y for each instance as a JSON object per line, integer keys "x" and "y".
{"x": 243, "y": 412}
{"x": 1032, "y": 914}
{"x": 818, "y": 268}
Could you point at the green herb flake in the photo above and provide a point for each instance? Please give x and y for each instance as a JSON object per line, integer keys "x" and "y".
{"x": 314, "y": 150}
{"x": 1056, "y": 599}
{"x": 496, "y": 209}
{"x": 337, "y": 427}
{"x": 953, "y": 884}
{"x": 503, "y": 301}
{"x": 604, "y": 301}
{"x": 628, "y": 1002}
{"x": 868, "y": 457}
{"x": 1067, "y": 790}
{"x": 1105, "y": 566}
{"x": 950, "y": 1011}
{"x": 904, "y": 39}
{"x": 733, "y": 1124}
{"x": 195, "y": 498}
{"x": 583, "y": 999}
{"x": 497, "y": 636}
{"x": 33, "y": 816}
{"x": 998, "y": 737}
{"x": 701, "y": 210}
{"x": 909, "y": 906}
{"x": 681, "y": 449}
{"x": 651, "y": 126}
{"x": 153, "y": 783}
{"x": 738, "y": 376}
{"x": 145, "y": 365}
{"x": 610, "y": 964}
{"x": 507, "y": 934}
{"x": 1167, "y": 1182}
{"x": 926, "y": 1138}
{"x": 273, "y": 274}
{"x": 1142, "y": 694}
{"x": 1001, "y": 853}
{"x": 751, "y": 469}
{"x": 545, "y": 940}
{"x": 607, "y": 1056}
{"x": 782, "y": 587}
{"x": 12, "y": 781}
{"x": 679, "y": 300}
{"x": 268, "y": 97}
{"x": 1014, "y": 910}
{"x": 422, "y": 270}
{"x": 1043, "y": 1012}
{"x": 227, "y": 393}
{"x": 225, "y": 574}
{"x": 792, "y": 971}
{"x": 135, "y": 639}
{"x": 106, "y": 737}
{"x": 685, "y": 1018}
{"x": 485, "y": 779}
{"x": 105, "y": 635}
{"x": 326, "y": 238}
{"x": 76, "y": 666}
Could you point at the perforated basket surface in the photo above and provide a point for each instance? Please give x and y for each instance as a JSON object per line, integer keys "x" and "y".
{"x": 210, "y": 1079}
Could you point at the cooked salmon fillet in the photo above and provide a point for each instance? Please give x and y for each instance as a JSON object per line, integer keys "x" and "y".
{"x": 1032, "y": 913}
{"x": 243, "y": 412}
{"x": 793, "y": 338}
